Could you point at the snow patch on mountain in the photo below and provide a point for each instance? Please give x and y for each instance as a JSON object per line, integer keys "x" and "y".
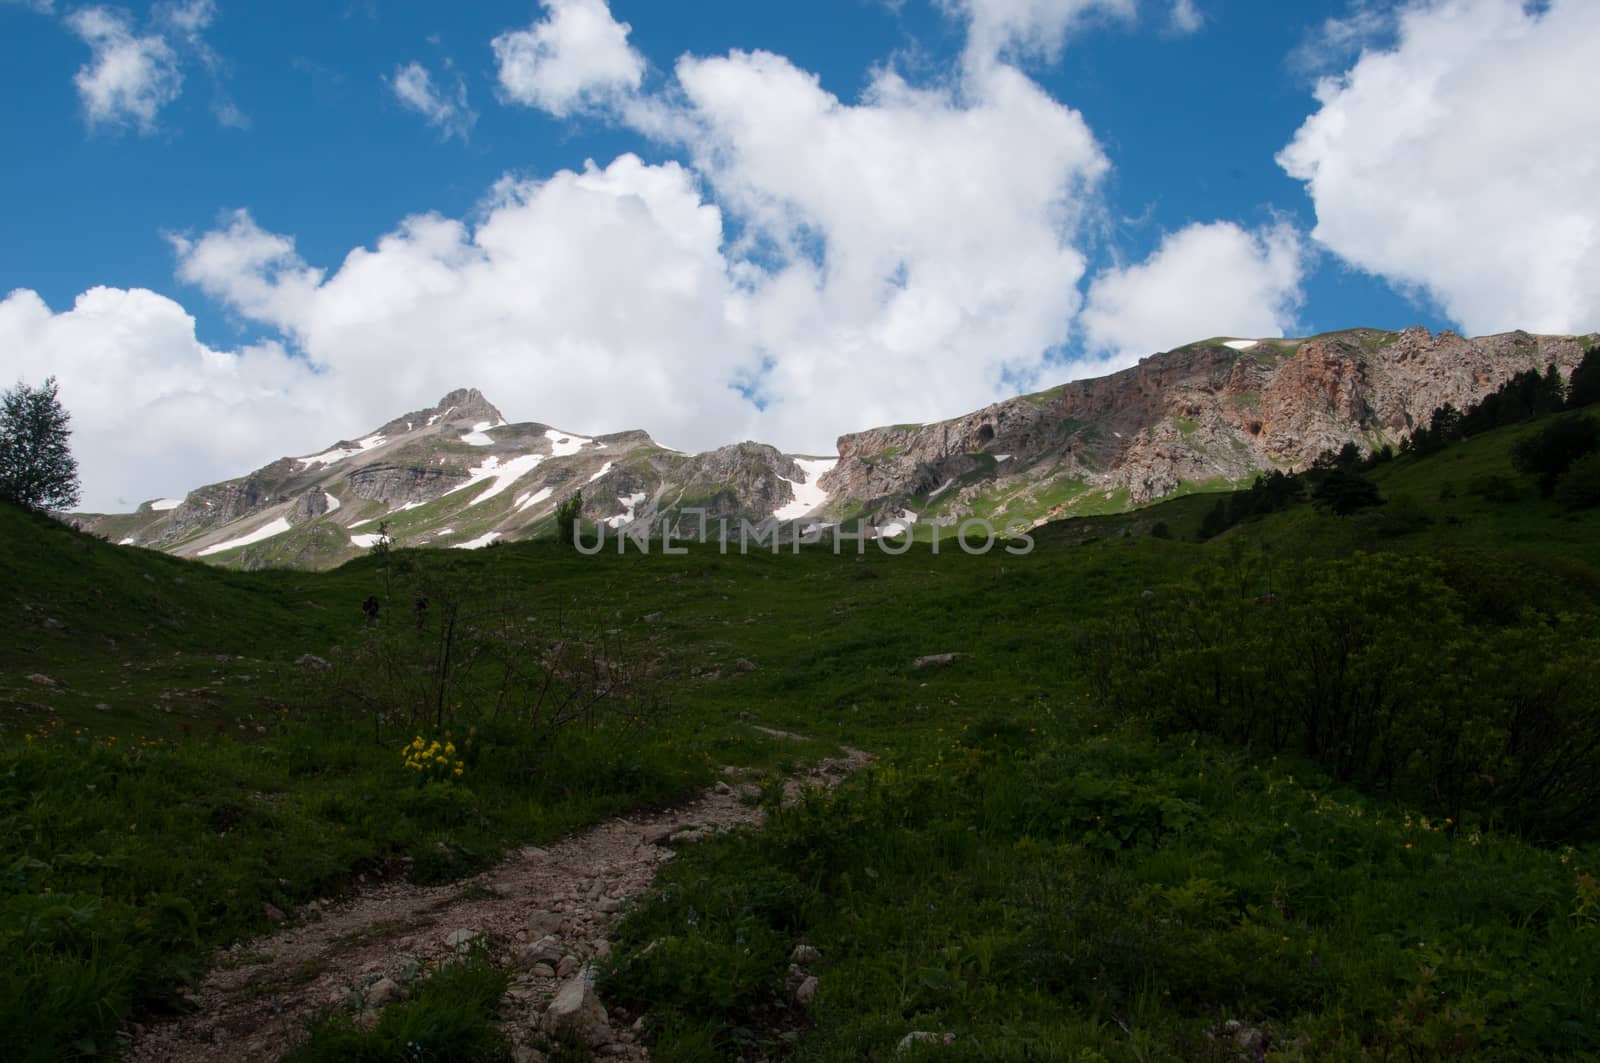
{"x": 941, "y": 490}
{"x": 366, "y": 542}
{"x": 161, "y": 505}
{"x": 565, "y": 444}
{"x": 329, "y": 457}
{"x": 333, "y": 503}
{"x": 632, "y": 502}
{"x": 266, "y": 531}
{"x": 898, "y": 527}
{"x": 808, "y": 493}
{"x": 479, "y": 436}
{"x": 479, "y": 543}
{"x": 527, "y": 502}
{"x": 504, "y": 474}
{"x": 1242, "y": 345}
{"x": 603, "y": 470}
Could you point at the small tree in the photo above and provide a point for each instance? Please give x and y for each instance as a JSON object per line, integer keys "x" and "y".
{"x": 1584, "y": 387}
{"x": 1549, "y": 452}
{"x": 1345, "y": 493}
{"x": 567, "y": 514}
{"x": 1579, "y": 486}
{"x": 37, "y": 469}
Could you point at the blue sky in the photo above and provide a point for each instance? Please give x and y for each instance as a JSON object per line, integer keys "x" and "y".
{"x": 217, "y": 163}
{"x": 1190, "y": 121}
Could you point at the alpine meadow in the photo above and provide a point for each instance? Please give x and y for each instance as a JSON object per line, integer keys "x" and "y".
{"x": 1068, "y": 530}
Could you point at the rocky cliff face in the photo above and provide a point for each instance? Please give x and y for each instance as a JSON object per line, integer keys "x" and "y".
{"x": 1212, "y": 414}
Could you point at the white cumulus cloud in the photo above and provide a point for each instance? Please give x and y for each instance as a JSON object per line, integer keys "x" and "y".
{"x": 130, "y": 76}
{"x": 154, "y": 411}
{"x": 449, "y": 113}
{"x": 1204, "y": 280}
{"x": 1462, "y": 162}
{"x": 920, "y": 244}
{"x": 578, "y": 57}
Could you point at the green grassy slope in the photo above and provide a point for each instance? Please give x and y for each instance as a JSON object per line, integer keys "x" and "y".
{"x": 1015, "y": 871}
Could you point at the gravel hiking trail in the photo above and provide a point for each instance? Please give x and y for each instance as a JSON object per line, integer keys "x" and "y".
{"x": 543, "y": 913}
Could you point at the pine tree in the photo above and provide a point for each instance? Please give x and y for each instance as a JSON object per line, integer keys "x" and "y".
{"x": 567, "y": 515}
{"x": 37, "y": 469}
{"x": 1584, "y": 387}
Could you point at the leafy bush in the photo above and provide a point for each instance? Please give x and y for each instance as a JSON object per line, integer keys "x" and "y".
{"x": 1345, "y": 492}
{"x": 1579, "y": 486}
{"x": 1368, "y": 666}
{"x": 567, "y": 514}
{"x": 1549, "y": 452}
{"x": 1584, "y": 387}
{"x": 1492, "y": 488}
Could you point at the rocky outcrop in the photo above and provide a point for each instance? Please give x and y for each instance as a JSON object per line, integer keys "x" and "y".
{"x": 1205, "y": 412}
{"x": 402, "y": 484}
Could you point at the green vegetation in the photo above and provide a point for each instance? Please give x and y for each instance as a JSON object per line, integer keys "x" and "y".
{"x": 567, "y": 515}
{"x": 37, "y": 469}
{"x": 1328, "y": 779}
{"x": 449, "y": 1018}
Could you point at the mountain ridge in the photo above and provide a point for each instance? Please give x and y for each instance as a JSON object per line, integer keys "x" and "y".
{"x": 1205, "y": 415}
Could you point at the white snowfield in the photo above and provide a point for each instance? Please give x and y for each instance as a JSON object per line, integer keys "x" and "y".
{"x": 898, "y": 527}
{"x": 504, "y": 474}
{"x": 632, "y": 502}
{"x": 129, "y": 541}
{"x": 161, "y": 505}
{"x": 366, "y": 542}
{"x": 440, "y": 416}
{"x": 478, "y": 437}
{"x": 1241, "y": 345}
{"x": 328, "y": 457}
{"x": 527, "y": 502}
{"x": 603, "y": 470}
{"x": 1002, "y": 457}
{"x": 808, "y": 493}
{"x": 479, "y": 543}
{"x": 941, "y": 490}
{"x": 565, "y": 444}
{"x": 333, "y": 503}
{"x": 266, "y": 531}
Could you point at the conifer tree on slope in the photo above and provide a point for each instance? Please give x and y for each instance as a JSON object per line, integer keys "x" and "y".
{"x": 37, "y": 469}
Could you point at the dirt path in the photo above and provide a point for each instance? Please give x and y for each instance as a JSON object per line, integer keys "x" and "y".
{"x": 544, "y": 913}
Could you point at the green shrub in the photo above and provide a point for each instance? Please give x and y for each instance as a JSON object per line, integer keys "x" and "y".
{"x": 1369, "y": 666}
{"x": 1493, "y": 488}
{"x": 1579, "y": 486}
{"x": 1345, "y": 492}
{"x": 567, "y": 515}
{"x": 1584, "y": 387}
{"x": 1549, "y": 452}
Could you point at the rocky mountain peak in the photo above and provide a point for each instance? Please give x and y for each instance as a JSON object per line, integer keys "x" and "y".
{"x": 462, "y": 404}
{"x": 468, "y": 404}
